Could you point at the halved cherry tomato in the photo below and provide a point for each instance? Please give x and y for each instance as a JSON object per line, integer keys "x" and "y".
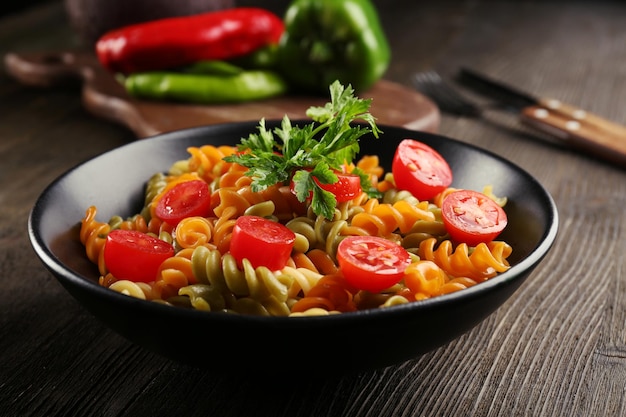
{"x": 372, "y": 263}
{"x": 135, "y": 256}
{"x": 420, "y": 169}
{"x": 346, "y": 188}
{"x": 261, "y": 241}
{"x": 187, "y": 199}
{"x": 472, "y": 217}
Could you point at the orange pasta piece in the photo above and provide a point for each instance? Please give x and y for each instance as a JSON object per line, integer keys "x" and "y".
{"x": 315, "y": 260}
{"x": 192, "y": 232}
{"x": 370, "y": 164}
{"x": 301, "y": 260}
{"x": 457, "y": 284}
{"x": 230, "y": 199}
{"x": 334, "y": 290}
{"x": 223, "y": 229}
{"x": 137, "y": 223}
{"x": 93, "y": 236}
{"x": 208, "y": 161}
{"x": 308, "y": 303}
{"x": 425, "y": 277}
{"x": 234, "y": 178}
{"x": 157, "y": 226}
{"x": 382, "y": 219}
{"x": 176, "y": 272}
{"x": 457, "y": 262}
{"x": 438, "y": 199}
{"x": 106, "y": 280}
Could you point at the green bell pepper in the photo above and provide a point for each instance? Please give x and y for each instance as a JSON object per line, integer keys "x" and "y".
{"x": 262, "y": 58}
{"x": 328, "y": 40}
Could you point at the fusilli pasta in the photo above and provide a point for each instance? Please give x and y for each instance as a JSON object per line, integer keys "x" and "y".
{"x": 203, "y": 275}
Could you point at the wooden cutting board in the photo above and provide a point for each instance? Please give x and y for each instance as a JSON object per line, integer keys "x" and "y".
{"x": 103, "y": 96}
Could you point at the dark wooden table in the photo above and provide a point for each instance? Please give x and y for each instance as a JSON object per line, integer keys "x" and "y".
{"x": 556, "y": 348}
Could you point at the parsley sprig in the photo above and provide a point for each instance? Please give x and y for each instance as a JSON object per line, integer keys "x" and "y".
{"x": 300, "y": 154}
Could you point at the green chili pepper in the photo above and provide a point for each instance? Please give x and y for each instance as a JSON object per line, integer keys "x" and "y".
{"x": 328, "y": 40}
{"x": 206, "y": 88}
{"x": 212, "y": 67}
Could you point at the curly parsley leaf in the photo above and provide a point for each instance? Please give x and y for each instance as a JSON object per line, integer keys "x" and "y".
{"x": 366, "y": 184}
{"x": 314, "y": 151}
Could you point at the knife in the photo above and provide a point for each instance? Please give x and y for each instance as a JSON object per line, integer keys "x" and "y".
{"x": 574, "y": 126}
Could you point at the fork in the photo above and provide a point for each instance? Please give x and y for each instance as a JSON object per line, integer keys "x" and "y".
{"x": 444, "y": 95}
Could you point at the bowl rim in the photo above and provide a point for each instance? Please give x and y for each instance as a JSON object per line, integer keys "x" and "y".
{"x": 69, "y": 277}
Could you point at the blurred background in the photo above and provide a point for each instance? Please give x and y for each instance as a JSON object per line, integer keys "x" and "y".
{"x": 91, "y": 18}
{"x": 12, "y": 7}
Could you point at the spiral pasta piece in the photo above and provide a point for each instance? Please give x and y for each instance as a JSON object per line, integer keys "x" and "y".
{"x": 231, "y": 202}
{"x": 305, "y": 227}
{"x": 425, "y": 279}
{"x": 136, "y": 222}
{"x": 129, "y": 288}
{"x": 204, "y": 297}
{"x": 223, "y": 229}
{"x": 93, "y": 236}
{"x": 286, "y": 205}
{"x": 316, "y": 260}
{"x": 155, "y": 185}
{"x": 221, "y": 272}
{"x": 235, "y": 177}
{"x": 263, "y": 209}
{"x": 203, "y": 262}
{"x": 319, "y": 233}
{"x": 174, "y": 273}
{"x": 348, "y": 209}
{"x": 386, "y": 184}
{"x": 382, "y": 219}
{"x": 330, "y": 293}
{"x": 483, "y": 262}
{"x": 208, "y": 161}
{"x": 157, "y": 227}
{"x": 438, "y": 199}
{"x": 303, "y": 280}
{"x": 457, "y": 284}
{"x": 392, "y": 296}
{"x": 488, "y": 191}
{"x": 370, "y": 164}
{"x": 393, "y": 195}
{"x": 422, "y": 230}
{"x": 192, "y": 232}
{"x": 314, "y": 311}
{"x": 106, "y": 280}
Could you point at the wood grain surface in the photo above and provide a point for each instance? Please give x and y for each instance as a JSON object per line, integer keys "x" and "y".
{"x": 556, "y": 348}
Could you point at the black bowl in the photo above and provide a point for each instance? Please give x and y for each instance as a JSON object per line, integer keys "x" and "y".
{"x": 347, "y": 342}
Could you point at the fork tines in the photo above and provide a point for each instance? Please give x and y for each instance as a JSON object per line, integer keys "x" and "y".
{"x": 447, "y": 98}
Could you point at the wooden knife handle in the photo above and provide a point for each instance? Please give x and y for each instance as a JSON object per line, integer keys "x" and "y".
{"x": 579, "y": 128}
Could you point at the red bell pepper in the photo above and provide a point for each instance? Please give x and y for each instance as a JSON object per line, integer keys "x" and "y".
{"x": 177, "y": 41}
